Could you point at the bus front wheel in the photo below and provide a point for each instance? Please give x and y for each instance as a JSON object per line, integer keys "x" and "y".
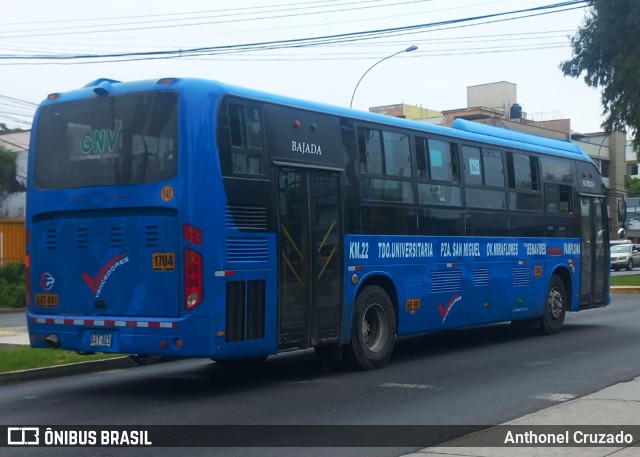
{"x": 555, "y": 308}
{"x": 373, "y": 331}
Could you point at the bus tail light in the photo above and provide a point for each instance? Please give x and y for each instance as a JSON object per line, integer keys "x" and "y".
{"x": 27, "y": 266}
{"x": 193, "y": 280}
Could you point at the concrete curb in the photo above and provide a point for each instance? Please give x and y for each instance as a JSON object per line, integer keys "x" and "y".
{"x": 625, "y": 290}
{"x": 90, "y": 366}
{"x": 12, "y": 310}
{"x": 68, "y": 369}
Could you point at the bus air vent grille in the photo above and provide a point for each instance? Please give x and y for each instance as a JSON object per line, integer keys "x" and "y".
{"x": 521, "y": 276}
{"x": 481, "y": 277}
{"x": 152, "y": 236}
{"x": 51, "y": 239}
{"x": 82, "y": 238}
{"x": 116, "y": 237}
{"x": 246, "y": 218}
{"x": 247, "y": 250}
{"x": 446, "y": 281}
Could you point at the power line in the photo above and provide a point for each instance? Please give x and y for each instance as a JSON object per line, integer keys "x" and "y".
{"x": 304, "y": 42}
{"x": 170, "y": 14}
{"x": 17, "y": 101}
{"x": 93, "y": 31}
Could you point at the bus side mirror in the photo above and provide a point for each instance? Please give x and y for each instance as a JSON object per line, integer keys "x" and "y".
{"x": 621, "y": 233}
{"x": 622, "y": 211}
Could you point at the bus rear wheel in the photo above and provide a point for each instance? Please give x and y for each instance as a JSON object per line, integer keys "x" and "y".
{"x": 373, "y": 331}
{"x": 555, "y": 308}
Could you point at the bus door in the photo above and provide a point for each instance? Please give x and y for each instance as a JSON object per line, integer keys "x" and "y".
{"x": 595, "y": 261}
{"x": 309, "y": 257}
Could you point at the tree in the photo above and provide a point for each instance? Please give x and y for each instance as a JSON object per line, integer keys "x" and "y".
{"x": 605, "y": 49}
{"x": 632, "y": 185}
{"x": 7, "y": 168}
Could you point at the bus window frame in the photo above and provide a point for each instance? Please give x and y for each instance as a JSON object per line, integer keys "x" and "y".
{"x": 482, "y": 188}
{"x": 228, "y": 151}
{"x": 536, "y": 182}
{"x": 365, "y": 176}
{"x": 426, "y": 184}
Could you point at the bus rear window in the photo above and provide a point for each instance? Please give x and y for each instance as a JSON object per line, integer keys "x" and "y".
{"x": 105, "y": 141}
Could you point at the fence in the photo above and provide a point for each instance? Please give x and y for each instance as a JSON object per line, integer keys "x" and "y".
{"x": 12, "y": 242}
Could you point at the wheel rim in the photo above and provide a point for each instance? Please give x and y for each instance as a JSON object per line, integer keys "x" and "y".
{"x": 374, "y": 332}
{"x": 556, "y": 304}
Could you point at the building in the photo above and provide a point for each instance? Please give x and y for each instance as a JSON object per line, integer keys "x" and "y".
{"x": 408, "y": 112}
{"x": 632, "y": 161}
{"x": 12, "y": 203}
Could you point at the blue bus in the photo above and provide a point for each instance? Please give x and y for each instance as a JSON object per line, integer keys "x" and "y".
{"x": 186, "y": 217}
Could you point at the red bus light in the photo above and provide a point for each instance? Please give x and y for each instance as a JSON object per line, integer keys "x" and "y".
{"x": 193, "y": 279}
{"x": 27, "y": 265}
{"x": 167, "y": 81}
{"x": 191, "y": 234}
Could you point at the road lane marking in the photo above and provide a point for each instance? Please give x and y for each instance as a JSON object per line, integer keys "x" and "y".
{"x": 407, "y": 386}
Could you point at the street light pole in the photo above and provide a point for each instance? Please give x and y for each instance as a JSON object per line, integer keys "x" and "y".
{"x": 409, "y": 49}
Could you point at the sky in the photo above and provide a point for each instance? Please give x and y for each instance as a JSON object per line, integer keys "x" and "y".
{"x": 526, "y": 51}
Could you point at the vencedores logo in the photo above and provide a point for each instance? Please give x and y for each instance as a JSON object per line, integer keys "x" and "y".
{"x": 444, "y": 310}
{"x": 96, "y": 284}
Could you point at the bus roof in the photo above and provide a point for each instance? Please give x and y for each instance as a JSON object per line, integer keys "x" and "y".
{"x": 461, "y": 129}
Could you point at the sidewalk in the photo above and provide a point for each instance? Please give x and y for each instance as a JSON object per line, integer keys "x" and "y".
{"x": 15, "y": 333}
{"x": 617, "y": 405}
{"x": 14, "y": 336}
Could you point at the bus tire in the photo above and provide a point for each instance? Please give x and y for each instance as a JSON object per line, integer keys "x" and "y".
{"x": 373, "y": 331}
{"x": 555, "y": 307}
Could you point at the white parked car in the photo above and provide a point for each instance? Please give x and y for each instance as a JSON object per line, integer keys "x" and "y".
{"x": 625, "y": 256}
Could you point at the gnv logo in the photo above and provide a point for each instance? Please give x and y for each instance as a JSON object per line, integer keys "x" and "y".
{"x": 23, "y": 436}
{"x": 47, "y": 281}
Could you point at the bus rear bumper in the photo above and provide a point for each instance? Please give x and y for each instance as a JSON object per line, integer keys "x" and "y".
{"x": 112, "y": 334}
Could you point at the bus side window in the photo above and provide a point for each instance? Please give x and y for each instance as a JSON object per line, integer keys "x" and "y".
{"x": 484, "y": 178}
{"x": 557, "y": 198}
{"x": 370, "y": 151}
{"x": 385, "y": 163}
{"x": 245, "y": 129}
{"x": 440, "y": 159}
{"x": 523, "y": 181}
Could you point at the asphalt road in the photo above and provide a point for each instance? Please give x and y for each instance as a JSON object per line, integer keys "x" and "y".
{"x": 635, "y": 271}
{"x": 10, "y": 320}
{"x": 480, "y": 376}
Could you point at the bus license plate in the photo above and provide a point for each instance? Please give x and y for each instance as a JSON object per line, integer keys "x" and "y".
{"x": 163, "y": 261}
{"x": 48, "y": 300}
{"x": 101, "y": 340}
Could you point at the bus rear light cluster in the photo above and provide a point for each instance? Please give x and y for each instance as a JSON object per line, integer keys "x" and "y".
{"x": 27, "y": 265}
{"x": 193, "y": 280}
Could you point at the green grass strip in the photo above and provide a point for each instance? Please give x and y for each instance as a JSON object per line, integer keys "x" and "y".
{"x": 631, "y": 280}
{"x": 23, "y": 357}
